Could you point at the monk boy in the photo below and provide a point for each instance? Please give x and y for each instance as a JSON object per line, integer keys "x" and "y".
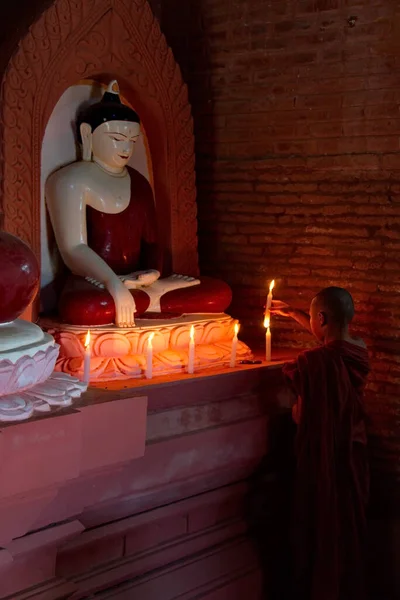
{"x": 332, "y": 477}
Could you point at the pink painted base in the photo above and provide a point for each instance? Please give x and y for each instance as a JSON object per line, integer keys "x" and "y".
{"x": 139, "y": 493}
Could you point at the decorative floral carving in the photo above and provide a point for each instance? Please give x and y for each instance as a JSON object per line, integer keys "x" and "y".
{"x": 120, "y": 354}
{"x": 27, "y": 371}
{"x": 94, "y": 39}
{"x": 58, "y": 390}
{"x": 29, "y": 386}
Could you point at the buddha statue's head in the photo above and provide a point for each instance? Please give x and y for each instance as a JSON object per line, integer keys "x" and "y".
{"x": 108, "y": 130}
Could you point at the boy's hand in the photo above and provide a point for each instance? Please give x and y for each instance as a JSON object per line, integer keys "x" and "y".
{"x": 281, "y": 308}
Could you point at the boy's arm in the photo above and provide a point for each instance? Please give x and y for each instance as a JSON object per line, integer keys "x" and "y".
{"x": 284, "y": 310}
{"x": 301, "y": 317}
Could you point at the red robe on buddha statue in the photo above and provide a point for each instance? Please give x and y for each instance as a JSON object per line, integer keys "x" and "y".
{"x": 127, "y": 242}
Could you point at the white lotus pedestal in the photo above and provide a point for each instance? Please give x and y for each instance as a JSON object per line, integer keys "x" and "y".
{"x": 121, "y": 353}
{"x": 28, "y": 383}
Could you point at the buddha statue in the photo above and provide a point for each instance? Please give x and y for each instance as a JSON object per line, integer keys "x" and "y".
{"x": 104, "y": 220}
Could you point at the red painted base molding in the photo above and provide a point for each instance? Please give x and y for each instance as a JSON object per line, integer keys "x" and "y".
{"x": 137, "y": 493}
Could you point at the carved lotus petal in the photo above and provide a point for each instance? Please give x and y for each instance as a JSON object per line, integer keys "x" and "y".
{"x": 69, "y": 379}
{"x": 98, "y": 366}
{"x": 70, "y": 346}
{"x": 15, "y": 407}
{"x": 129, "y": 366}
{"x": 77, "y": 392}
{"x": 49, "y": 389}
{"x": 160, "y": 341}
{"x": 173, "y": 359}
{"x": 69, "y": 365}
{"x": 180, "y": 337}
{"x": 71, "y": 385}
{"x": 6, "y": 371}
{"x": 40, "y": 406}
{"x": 56, "y": 391}
{"x": 242, "y": 351}
{"x": 106, "y": 369}
{"x": 133, "y": 338}
{"x": 214, "y": 332}
{"x": 46, "y": 361}
{"x": 63, "y": 398}
{"x": 111, "y": 345}
{"x": 24, "y": 375}
{"x": 210, "y": 353}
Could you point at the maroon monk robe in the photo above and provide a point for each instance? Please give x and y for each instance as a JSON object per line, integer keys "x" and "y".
{"x": 332, "y": 476}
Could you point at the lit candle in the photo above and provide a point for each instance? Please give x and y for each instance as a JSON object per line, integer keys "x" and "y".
{"x": 234, "y": 346}
{"x": 149, "y": 357}
{"x": 191, "y": 351}
{"x": 267, "y": 339}
{"x": 86, "y": 363}
{"x": 269, "y": 298}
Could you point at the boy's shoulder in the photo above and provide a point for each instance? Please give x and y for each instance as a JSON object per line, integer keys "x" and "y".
{"x": 311, "y": 352}
{"x": 313, "y": 356}
{"x": 354, "y": 341}
{"x": 329, "y": 353}
{"x": 357, "y": 341}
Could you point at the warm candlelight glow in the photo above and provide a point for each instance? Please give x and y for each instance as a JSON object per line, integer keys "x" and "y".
{"x": 149, "y": 356}
{"x": 235, "y": 341}
{"x": 86, "y": 359}
{"x": 268, "y": 304}
{"x": 267, "y": 338}
{"x": 87, "y": 340}
{"x": 191, "y": 352}
{"x": 267, "y": 318}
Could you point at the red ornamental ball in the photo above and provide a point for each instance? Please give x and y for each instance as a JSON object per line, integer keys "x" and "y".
{"x": 19, "y": 276}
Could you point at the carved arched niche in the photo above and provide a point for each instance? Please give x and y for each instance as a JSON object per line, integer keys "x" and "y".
{"x": 100, "y": 40}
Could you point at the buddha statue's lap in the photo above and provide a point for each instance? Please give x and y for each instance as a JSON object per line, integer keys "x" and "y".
{"x": 104, "y": 220}
{"x": 82, "y": 303}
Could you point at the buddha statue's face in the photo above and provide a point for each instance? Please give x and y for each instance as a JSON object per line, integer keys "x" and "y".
{"x": 112, "y": 143}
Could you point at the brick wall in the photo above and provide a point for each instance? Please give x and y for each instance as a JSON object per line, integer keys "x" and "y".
{"x": 297, "y": 122}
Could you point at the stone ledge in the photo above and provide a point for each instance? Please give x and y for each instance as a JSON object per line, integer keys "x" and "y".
{"x": 205, "y": 385}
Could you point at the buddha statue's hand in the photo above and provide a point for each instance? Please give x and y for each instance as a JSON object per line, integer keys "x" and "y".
{"x": 125, "y": 307}
{"x": 140, "y": 279}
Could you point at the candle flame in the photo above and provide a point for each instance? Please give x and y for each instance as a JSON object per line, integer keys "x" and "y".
{"x": 151, "y": 338}
{"x": 192, "y": 333}
{"x": 272, "y": 285}
{"x": 266, "y": 321}
{"x": 237, "y": 327}
{"x": 87, "y": 339}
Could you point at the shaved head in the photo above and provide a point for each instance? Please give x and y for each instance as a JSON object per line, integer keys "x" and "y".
{"x": 337, "y": 304}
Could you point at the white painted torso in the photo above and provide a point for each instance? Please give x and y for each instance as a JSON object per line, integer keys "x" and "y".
{"x": 94, "y": 187}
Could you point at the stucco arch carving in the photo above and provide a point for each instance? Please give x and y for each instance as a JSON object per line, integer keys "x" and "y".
{"x": 99, "y": 39}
